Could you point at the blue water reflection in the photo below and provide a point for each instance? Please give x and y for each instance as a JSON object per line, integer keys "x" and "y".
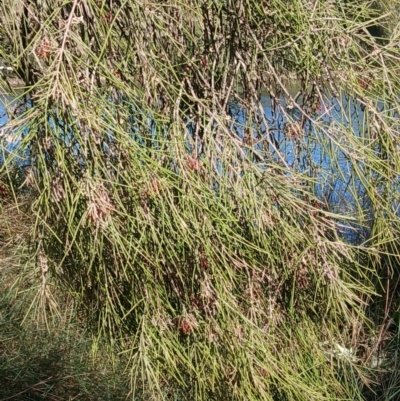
{"x": 306, "y": 139}
{"x": 3, "y": 114}
{"x": 9, "y": 141}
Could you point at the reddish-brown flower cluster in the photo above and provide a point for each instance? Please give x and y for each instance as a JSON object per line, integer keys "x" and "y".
{"x": 109, "y": 17}
{"x": 364, "y": 83}
{"x": 44, "y": 49}
{"x": 155, "y": 187}
{"x": 193, "y": 163}
{"x": 204, "y": 265}
{"x": 3, "y": 191}
{"x": 186, "y": 324}
{"x": 293, "y": 130}
{"x": 317, "y": 207}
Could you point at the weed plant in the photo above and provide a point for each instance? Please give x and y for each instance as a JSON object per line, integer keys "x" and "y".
{"x": 226, "y": 252}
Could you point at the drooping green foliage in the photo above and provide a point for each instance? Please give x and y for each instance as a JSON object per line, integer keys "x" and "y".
{"x": 215, "y": 183}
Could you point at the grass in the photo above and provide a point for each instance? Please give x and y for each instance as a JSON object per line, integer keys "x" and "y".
{"x": 48, "y": 358}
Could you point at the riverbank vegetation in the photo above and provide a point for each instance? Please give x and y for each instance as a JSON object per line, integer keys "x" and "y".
{"x": 178, "y": 222}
